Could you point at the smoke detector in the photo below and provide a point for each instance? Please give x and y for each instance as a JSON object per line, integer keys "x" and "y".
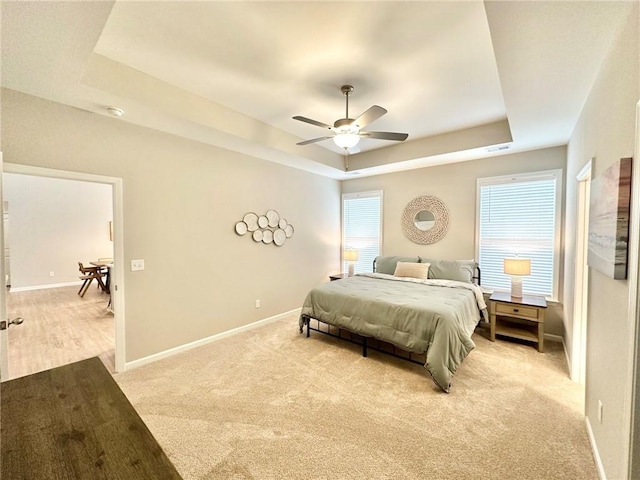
{"x": 115, "y": 111}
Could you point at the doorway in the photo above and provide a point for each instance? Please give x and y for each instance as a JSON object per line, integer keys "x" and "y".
{"x": 117, "y": 280}
{"x": 581, "y": 281}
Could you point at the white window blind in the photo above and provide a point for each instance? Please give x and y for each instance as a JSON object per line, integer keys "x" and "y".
{"x": 362, "y": 227}
{"x": 519, "y": 216}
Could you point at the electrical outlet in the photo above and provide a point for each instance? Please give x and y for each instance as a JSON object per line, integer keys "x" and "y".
{"x": 599, "y": 411}
{"x": 257, "y": 303}
{"x": 137, "y": 265}
{"x": 51, "y": 274}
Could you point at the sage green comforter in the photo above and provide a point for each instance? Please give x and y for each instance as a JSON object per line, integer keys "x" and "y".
{"x": 436, "y": 317}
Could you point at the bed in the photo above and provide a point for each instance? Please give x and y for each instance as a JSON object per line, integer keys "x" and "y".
{"x": 430, "y": 311}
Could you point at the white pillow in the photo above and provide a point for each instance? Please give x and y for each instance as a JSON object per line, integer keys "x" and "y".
{"x": 413, "y": 270}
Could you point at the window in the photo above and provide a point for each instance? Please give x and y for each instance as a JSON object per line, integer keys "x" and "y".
{"x": 520, "y": 216}
{"x": 362, "y": 227}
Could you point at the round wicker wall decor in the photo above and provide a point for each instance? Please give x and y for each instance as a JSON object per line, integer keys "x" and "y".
{"x": 440, "y": 220}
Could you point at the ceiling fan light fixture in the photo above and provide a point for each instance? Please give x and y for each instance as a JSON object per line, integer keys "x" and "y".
{"x": 346, "y": 140}
{"x": 347, "y": 131}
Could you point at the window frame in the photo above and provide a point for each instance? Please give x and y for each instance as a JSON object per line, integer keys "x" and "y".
{"x": 558, "y": 176}
{"x": 356, "y": 195}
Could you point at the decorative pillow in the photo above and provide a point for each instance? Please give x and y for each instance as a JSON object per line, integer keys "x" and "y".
{"x": 460, "y": 270}
{"x": 388, "y": 264}
{"x": 412, "y": 269}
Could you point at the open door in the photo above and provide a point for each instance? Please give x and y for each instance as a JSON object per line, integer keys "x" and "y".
{"x": 4, "y": 340}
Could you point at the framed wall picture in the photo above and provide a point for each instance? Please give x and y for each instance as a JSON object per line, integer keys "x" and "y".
{"x": 609, "y": 206}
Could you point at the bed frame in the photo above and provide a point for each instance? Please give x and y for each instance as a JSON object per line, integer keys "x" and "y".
{"x": 366, "y": 342}
{"x": 369, "y": 342}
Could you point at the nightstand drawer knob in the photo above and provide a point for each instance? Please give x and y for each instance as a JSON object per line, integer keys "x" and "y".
{"x": 516, "y": 310}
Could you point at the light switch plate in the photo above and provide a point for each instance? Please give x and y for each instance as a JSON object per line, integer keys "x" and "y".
{"x": 137, "y": 265}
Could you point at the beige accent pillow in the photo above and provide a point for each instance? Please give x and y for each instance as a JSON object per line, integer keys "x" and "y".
{"x": 413, "y": 270}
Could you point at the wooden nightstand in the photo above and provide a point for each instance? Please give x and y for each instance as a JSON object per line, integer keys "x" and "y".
{"x": 338, "y": 276}
{"x": 521, "y": 318}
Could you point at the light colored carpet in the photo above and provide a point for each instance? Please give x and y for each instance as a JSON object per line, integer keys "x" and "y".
{"x": 270, "y": 403}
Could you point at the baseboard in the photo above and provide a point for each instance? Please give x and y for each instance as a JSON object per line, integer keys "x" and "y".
{"x": 42, "y": 287}
{"x": 204, "y": 341}
{"x": 594, "y": 451}
{"x": 559, "y": 338}
{"x": 554, "y": 338}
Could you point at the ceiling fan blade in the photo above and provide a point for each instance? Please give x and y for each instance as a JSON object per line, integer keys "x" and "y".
{"x": 313, "y": 140}
{"x": 372, "y": 114}
{"x": 398, "y": 137}
{"x": 312, "y": 122}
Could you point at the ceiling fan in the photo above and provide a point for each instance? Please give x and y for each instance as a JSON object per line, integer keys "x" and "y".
{"x": 346, "y": 132}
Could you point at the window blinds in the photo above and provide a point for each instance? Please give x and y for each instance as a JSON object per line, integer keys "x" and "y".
{"x": 517, "y": 217}
{"x": 361, "y": 227}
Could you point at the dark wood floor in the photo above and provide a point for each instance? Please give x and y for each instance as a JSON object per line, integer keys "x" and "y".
{"x": 74, "y": 422}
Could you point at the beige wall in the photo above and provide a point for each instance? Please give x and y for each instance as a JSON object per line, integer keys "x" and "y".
{"x": 605, "y": 131}
{"x": 181, "y": 202}
{"x": 455, "y": 185}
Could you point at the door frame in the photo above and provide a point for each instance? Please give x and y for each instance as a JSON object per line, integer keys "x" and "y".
{"x": 117, "y": 272}
{"x": 631, "y": 417}
{"x": 581, "y": 285}
{"x": 4, "y": 343}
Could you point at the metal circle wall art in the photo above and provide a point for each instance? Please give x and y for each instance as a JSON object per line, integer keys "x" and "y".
{"x": 279, "y": 237}
{"x": 241, "y": 228}
{"x": 251, "y": 219}
{"x": 436, "y": 225}
{"x": 266, "y": 229}
{"x": 273, "y": 218}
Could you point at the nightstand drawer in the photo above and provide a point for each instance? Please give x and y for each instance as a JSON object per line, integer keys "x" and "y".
{"x": 516, "y": 310}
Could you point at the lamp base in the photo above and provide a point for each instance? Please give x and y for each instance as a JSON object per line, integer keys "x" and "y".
{"x": 516, "y": 286}
{"x": 351, "y": 269}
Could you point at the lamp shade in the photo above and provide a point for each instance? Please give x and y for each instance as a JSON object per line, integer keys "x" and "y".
{"x": 351, "y": 255}
{"x": 517, "y": 266}
{"x": 346, "y": 140}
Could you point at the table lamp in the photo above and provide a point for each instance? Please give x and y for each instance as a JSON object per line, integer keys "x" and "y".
{"x": 517, "y": 268}
{"x": 351, "y": 256}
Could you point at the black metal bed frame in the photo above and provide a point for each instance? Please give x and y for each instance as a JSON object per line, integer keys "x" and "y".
{"x": 366, "y": 342}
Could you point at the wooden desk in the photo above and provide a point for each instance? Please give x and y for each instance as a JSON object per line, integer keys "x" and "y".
{"x": 75, "y": 422}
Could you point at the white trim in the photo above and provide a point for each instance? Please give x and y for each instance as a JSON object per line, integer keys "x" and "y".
{"x": 556, "y": 174}
{"x": 585, "y": 171}
{"x": 368, "y": 194}
{"x": 43, "y": 287}
{"x": 205, "y": 341}
{"x": 577, "y": 365}
{"x": 552, "y": 337}
{"x": 594, "y": 450}
{"x": 4, "y": 334}
{"x": 632, "y": 393}
{"x": 53, "y": 173}
{"x": 117, "y": 274}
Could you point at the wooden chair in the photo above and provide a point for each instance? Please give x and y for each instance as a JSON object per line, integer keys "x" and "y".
{"x": 89, "y": 274}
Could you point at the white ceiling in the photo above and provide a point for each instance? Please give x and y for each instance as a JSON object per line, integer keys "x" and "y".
{"x": 458, "y": 77}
